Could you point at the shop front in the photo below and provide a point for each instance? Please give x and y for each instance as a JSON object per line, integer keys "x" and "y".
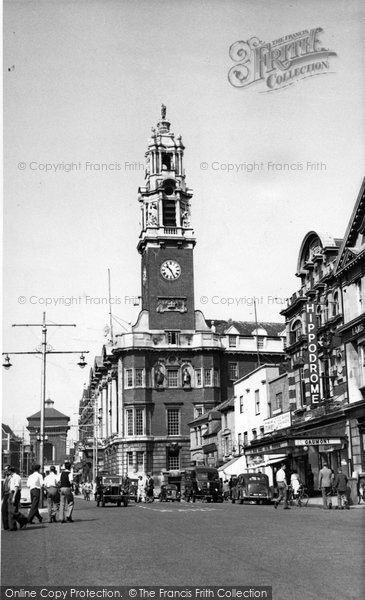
{"x": 303, "y": 451}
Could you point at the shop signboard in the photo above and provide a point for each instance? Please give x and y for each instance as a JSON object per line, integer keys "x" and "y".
{"x": 313, "y": 386}
{"x": 281, "y": 421}
{"x": 317, "y": 441}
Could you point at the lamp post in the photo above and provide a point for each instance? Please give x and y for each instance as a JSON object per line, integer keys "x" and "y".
{"x": 44, "y": 350}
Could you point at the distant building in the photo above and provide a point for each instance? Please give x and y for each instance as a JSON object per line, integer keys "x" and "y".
{"x": 56, "y": 426}
{"x": 11, "y": 448}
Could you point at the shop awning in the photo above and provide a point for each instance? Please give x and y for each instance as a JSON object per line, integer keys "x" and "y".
{"x": 274, "y": 459}
{"x": 234, "y": 467}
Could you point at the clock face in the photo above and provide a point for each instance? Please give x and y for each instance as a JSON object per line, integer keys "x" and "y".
{"x": 170, "y": 269}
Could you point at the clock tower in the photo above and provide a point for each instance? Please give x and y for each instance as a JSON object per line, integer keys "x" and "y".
{"x": 166, "y": 240}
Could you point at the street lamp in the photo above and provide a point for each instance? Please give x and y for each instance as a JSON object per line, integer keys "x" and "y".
{"x": 44, "y": 350}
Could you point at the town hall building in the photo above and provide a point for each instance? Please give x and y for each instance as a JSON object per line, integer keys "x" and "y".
{"x": 173, "y": 365}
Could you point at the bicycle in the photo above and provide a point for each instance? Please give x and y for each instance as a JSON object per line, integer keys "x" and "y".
{"x": 300, "y": 499}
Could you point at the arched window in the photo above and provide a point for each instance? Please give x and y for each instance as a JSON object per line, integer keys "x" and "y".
{"x": 296, "y": 331}
{"x": 335, "y": 305}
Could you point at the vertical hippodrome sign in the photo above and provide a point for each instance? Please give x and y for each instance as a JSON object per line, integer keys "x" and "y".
{"x": 314, "y": 377}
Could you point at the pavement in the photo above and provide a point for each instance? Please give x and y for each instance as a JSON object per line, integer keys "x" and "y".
{"x": 303, "y": 554}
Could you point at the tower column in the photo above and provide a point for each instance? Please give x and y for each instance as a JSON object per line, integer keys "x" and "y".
{"x": 114, "y": 392}
{"x": 178, "y": 213}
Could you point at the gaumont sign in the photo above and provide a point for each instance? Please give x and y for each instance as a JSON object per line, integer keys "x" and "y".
{"x": 317, "y": 441}
{"x": 278, "y": 422}
{"x": 313, "y": 385}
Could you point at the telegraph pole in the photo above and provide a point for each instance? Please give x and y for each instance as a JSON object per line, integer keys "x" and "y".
{"x": 44, "y": 350}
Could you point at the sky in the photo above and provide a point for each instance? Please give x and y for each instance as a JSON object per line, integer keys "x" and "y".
{"x": 83, "y": 85}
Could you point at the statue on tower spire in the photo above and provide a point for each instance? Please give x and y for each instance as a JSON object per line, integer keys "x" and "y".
{"x": 163, "y": 111}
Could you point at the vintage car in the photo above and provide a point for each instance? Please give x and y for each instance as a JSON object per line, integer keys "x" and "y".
{"x": 112, "y": 489}
{"x": 202, "y": 483}
{"x": 253, "y": 487}
{"x": 169, "y": 493}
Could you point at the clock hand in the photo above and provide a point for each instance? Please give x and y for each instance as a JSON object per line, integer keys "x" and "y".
{"x": 171, "y": 271}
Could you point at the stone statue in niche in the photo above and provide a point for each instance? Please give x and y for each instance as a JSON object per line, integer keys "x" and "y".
{"x": 159, "y": 376}
{"x": 186, "y": 377}
{"x": 152, "y": 214}
{"x": 185, "y": 216}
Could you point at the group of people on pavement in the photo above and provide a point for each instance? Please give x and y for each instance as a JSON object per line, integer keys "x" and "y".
{"x": 328, "y": 483}
{"x": 60, "y": 500}
{"x": 145, "y": 488}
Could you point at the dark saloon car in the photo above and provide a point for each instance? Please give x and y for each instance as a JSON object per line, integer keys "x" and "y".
{"x": 169, "y": 493}
{"x": 253, "y": 487}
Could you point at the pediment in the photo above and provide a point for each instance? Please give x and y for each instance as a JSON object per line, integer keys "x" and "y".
{"x": 232, "y": 331}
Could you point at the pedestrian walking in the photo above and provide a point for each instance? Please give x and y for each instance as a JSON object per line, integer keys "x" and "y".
{"x": 150, "y": 486}
{"x": 5, "y": 490}
{"x": 53, "y": 494}
{"x": 14, "y": 514}
{"x": 340, "y": 486}
{"x": 325, "y": 480}
{"x": 66, "y": 495}
{"x": 282, "y": 487}
{"x": 226, "y": 489}
{"x": 141, "y": 495}
{"x": 35, "y": 484}
{"x": 295, "y": 483}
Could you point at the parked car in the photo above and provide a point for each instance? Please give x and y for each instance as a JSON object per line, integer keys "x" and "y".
{"x": 25, "y": 494}
{"x": 112, "y": 489}
{"x": 253, "y": 487}
{"x": 169, "y": 493}
{"x": 204, "y": 484}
